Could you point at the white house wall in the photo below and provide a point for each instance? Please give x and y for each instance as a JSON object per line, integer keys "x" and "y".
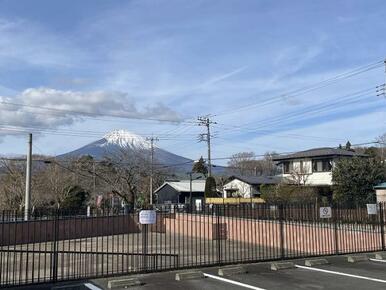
{"x": 241, "y": 187}
{"x": 313, "y": 178}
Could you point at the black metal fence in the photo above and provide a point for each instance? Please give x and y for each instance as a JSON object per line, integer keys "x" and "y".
{"x": 58, "y": 246}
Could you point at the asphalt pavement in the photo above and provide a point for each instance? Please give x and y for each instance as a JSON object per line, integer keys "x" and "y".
{"x": 338, "y": 274}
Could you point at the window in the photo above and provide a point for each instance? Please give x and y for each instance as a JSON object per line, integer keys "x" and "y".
{"x": 322, "y": 165}
{"x": 288, "y": 166}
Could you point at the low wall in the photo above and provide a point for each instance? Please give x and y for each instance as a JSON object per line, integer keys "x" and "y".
{"x": 13, "y": 233}
{"x": 311, "y": 238}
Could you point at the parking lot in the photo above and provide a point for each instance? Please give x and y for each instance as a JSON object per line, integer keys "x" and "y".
{"x": 365, "y": 275}
{"x": 337, "y": 274}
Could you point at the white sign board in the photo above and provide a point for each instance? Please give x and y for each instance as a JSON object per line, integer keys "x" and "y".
{"x": 325, "y": 212}
{"x": 147, "y": 217}
{"x": 198, "y": 204}
{"x": 372, "y": 208}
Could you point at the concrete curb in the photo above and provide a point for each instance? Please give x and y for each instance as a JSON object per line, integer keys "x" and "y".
{"x": 123, "y": 283}
{"x": 182, "y": 276}
{"x": 380, "y": 256}
{"x": 231, "y": 270}
{"x": 357, "y": 258}
{"x": 70, "y": 287}
{"x": 315, "y": 262}
{"x": 275, "y": 266}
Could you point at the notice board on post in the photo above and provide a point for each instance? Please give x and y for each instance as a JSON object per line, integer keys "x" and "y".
{"x": 325, "y": 212}
{"x": 147, "y": 217}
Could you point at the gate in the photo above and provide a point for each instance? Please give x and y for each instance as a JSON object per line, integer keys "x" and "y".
{"x": 59, "y": 246}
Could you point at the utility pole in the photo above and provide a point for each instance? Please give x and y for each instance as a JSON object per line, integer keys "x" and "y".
{"x": 384, "y": 94}
{"x": 205, "y": 121}
{"x": 381, "y": 91}
{"x": 152, "y": 139}
{"x": 27, "y": 199}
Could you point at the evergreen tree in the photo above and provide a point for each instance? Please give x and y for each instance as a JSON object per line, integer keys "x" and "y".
{"x": 210, "y": 187}
{"x": 200, "y": 167}
{"x": 372, "y": 152}
{"x": 354, "y": 178}
{"x": 76, "y": 198}
{"x": 348, "y": 146}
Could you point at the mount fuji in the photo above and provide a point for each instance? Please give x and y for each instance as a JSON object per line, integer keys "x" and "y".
{"x": 119, "y": 140}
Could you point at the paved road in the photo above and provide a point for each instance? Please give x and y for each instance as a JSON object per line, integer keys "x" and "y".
{"x": 339, "y": 274}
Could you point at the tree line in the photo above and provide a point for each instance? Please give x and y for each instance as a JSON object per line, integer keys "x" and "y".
{"x": 78, "y": 183}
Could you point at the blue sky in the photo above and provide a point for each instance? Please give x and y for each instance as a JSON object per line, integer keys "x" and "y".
{"x": 175, "y": 60}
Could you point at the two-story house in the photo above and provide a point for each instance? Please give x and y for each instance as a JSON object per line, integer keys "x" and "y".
{"x": 312, "y": 167}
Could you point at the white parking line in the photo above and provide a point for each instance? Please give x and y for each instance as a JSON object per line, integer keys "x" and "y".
{"x": 377, "y": 260}
{"x": 341, "y": 274}
{"x": 232, "y": 282}
{"x": 91, "y": 286}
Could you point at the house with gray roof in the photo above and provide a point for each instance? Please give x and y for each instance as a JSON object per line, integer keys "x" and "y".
{"x": 178, "y": 191}
{"x": 312, "y": 167}
{"x": 247, "y": 186}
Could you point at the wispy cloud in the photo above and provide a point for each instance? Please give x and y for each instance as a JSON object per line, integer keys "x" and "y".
{"x": 223, "y": 77}
{"x": 26, "y": 43}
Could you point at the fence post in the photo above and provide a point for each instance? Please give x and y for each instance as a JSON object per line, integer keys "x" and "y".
{"x": 55, "y": 253}
{"x": 382, "y": 225}
{"x": 219, "y": 237}
{"x": 144, "y": 247}
{"x": 281, "y": 223}
{"x": 335, "y": 220}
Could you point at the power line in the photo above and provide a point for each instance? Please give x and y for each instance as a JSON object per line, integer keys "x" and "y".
{"x": 76, "y": 133}
{"x": 313, "y": 109}
{"x": 307, "y": 89}
{"x": 319, "y": 107}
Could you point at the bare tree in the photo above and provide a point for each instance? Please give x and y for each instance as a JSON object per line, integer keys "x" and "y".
{"x": 12, "y": 185}
{"x": 244, "y": 163}
{"x": 266, "y": 166}
{"x": 300, "y": 175}
{"x": 126, "y": 174}
{"x": 382, "y": 144}
{"x": 54, "y": 184}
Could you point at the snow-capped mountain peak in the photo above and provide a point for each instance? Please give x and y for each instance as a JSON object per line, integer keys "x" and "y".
{"x": 126, "y": 139}
{"x": 122, "y": 139}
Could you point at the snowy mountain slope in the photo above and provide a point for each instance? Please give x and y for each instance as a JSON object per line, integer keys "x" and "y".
{"x": 119, "y": 140}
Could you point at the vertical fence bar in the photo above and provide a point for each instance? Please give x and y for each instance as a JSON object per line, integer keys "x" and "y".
{"x": 54, "y": 264}
{"x": 382, "y": 225}
{"x": 281, "y": 223}
{"x": 144, "y": 247}
{"x": 335, "y": 221}
{"x": 218, "y": 234}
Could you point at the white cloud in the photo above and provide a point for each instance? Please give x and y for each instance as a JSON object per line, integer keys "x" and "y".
{"x": 73, "y": 106}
